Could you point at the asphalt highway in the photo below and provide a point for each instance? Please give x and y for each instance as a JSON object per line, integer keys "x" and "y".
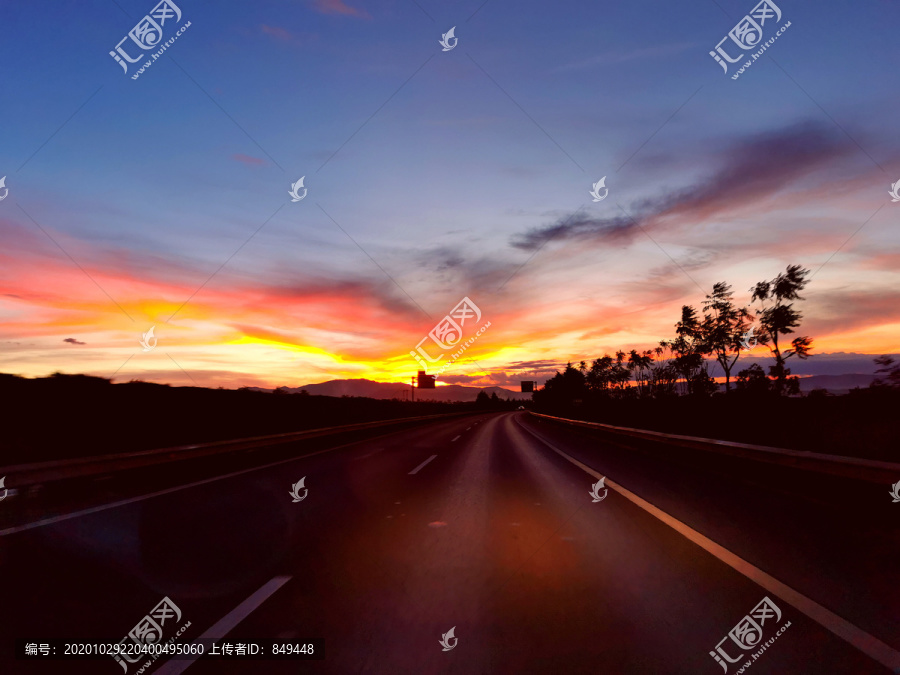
{"x": 484, "y": 524}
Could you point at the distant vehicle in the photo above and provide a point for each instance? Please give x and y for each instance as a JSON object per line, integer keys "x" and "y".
{"x": 521, "y": 407}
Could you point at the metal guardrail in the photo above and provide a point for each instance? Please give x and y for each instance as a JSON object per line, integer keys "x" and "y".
{"x": 871, "y": 470}
{"x": 24, "y": 475}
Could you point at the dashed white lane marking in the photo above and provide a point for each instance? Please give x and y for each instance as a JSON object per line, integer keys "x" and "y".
{"x": 467, "y": 428}
{"x": 416, "y": 470}
{"x": 455, "y": 439}
{"x": 867, "y": 644}
{"x": 227, "y": 623}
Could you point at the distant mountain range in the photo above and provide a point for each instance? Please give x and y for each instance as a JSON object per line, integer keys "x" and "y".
{"x": 835, "y": 363}
{"x": 389, "y": 390}
{"x": 836, "y": 384}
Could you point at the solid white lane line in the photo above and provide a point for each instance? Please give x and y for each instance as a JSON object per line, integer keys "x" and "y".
{"x": 868, "y": 644}
{"x": 455, "y": 439}
{"x": 416, "y": 470}
{"x": 226, "y": 624}
{"x": 131, "y": 500}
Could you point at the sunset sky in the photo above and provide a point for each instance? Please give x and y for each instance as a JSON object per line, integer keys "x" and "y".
{"x": 163, "y": 201}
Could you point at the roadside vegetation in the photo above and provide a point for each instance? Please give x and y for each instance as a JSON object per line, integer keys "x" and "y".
{"x": 67, "y": 416}
{"x": 672, "y": 387}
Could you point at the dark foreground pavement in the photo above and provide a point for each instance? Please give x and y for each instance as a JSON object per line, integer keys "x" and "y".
{"x": 496, "y": 536}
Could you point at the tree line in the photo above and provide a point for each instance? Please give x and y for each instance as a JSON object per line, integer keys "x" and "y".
{"x": 718, "y": 333}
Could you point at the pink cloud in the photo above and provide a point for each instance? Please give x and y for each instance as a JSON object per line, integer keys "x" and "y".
{"x": 247, "y": 159}
{"x": 337, "y": 7}
{"x": 276, "y": 32}
{"x": 883, "y": 261}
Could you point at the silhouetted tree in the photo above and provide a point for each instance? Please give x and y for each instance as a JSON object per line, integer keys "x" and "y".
{"x": 608, "y": 376}
{"x": 689, "y": 348}
{"x": 891, "y": 370}
{"x": 723, "y": 327}
{"x": 598, "y": 377}
{"x": 753, "y": 380}
{"x": 778, "y": 317}
{"x": 702, "y": 384}
{"x": 640, "y": 369}
{"x": 663, "y": 377}
{"x": 621, "y": 376}
{"x": 565, "y": 387}
{"x": 483, "y": 400}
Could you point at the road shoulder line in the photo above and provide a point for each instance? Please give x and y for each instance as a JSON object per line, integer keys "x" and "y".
{"x": 858, "y": 638}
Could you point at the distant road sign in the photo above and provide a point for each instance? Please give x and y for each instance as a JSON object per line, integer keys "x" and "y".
{"x": 426, "y": 381}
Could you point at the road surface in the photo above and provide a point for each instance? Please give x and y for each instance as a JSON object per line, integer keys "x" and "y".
{"x": 484, "y": 524}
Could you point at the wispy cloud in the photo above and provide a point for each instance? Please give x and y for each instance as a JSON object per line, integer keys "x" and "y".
{"x": 848, "y": 310}
{"x": 73, "y": 341}
{"x": 610, "y": 58}
{"x": 751, "y": 171}
{"x": 338, "y": 7}
{"x": 618, "y": 229}
{"x": 277, "y": 32}
{"x": 247, "y": 159}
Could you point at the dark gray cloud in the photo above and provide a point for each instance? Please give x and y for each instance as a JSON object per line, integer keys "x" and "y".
{"x": 618, "y": 230}
{"x": 750, "y": 170}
